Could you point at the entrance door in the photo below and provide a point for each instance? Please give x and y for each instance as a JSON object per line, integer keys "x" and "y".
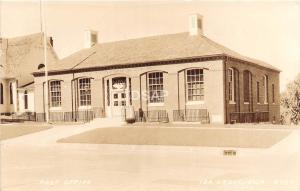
{"x": 117, "y": 96}
{"x": 118, "y": 103}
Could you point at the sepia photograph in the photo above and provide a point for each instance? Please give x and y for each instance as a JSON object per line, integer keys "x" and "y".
{"x": 142, "y": 95}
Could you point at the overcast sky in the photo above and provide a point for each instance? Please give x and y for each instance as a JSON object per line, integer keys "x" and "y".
{"x": 268, "y": 31}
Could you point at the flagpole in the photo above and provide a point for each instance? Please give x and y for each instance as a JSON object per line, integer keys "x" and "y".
{"x": 43, "y": 28}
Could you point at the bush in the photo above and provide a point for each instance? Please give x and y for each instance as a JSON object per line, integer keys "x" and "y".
{"x": 290, "y": 103}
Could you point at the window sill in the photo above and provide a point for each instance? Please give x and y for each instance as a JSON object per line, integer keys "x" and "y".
{"x": 258, "y": 103}
{"x": 85, "y": 107}
{"x": 194, "y": 103}
{"x": 55, "y": 108}
{"x": 266, "y": 103}
{"x": 246, "y": 103}
{"x": 156, "y": 104}
{"x": 232, "y": 102}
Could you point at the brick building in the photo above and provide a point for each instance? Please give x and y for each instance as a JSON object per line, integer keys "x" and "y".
{"x": 176, "y": 77}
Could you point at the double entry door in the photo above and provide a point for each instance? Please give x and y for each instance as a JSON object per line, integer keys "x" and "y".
{"x": 119, "y": 94}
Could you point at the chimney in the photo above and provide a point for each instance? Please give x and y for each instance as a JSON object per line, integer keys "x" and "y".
{"x": 195, "y": 24}
{"x": 90, "y": 38}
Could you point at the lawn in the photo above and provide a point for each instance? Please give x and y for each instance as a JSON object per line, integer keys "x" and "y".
{"x": 8, "y": 131}
{"x": 207, "y": 137}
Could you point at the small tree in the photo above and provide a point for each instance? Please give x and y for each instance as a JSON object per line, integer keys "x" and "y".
{"x": 290, "y": 102}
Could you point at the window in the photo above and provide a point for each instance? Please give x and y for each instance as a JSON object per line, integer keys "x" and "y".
{"x": 265, "y": 84}
{"x": 247, "y": 86}
{"x": 85, "y": 92}
{"x": 195, "y": 84}
{"x": 107, "y": 92}
{"x": 273, "y": 93}
{"x": 25, "y": 99}
{"x": 55, "y": 93}
{"x": 130, "y": 94}
{"x": 156, "y": 87}
{"x": 1, "y": 93}
{"x": 257, "y": 93}
{"x": 231, "y": 84}
{"x": 11, "y": 100}
{"x": 94, "y": 38}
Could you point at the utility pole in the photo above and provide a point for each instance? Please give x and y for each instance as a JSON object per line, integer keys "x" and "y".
{"x": 44, "y": 32}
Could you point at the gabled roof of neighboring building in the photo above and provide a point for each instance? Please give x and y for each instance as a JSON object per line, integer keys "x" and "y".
{"x": 148, "y": 49}
{"x": 22, "y": 55}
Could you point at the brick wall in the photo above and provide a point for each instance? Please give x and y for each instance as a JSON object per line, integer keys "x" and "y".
{"x": 173, "y": 83}
{"x": 257, "y": 76}
{"x": 216, "y": 96}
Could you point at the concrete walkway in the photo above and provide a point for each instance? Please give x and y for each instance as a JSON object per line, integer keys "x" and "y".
{"x": 50, "y": 136}
{"x": 37, "y": 163}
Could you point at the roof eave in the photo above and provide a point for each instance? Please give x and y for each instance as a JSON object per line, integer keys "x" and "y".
{"x": 253, "y": 63}
{"x": 140, "y": 64}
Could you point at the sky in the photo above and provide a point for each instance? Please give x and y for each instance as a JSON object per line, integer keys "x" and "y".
{"x": 265, "y": 30}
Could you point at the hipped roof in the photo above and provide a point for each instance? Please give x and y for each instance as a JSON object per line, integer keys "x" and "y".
{"x": 148, "y": 49}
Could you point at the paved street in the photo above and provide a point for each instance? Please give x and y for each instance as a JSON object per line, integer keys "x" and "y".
{"x": 45, "y": 165}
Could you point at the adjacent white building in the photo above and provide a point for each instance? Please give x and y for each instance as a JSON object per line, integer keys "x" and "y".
{"x": 19, "y": 58}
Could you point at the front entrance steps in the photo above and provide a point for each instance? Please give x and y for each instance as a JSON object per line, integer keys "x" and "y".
{"x": 107, "y": 122}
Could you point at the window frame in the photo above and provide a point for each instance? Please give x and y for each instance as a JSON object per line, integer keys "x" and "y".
{"x": 273, "y": 94}
{"x": 231, "y": 86}
{"x": 190, "y": 81}
{"x": 1, "y": 94}
{"x": 156, "y": 85}
{"x": 248, "y": 87}
{"x": 258, "y": 92}
{"x": 266, "y": 89}
{"x": 87, "y": 101}
{"x": 11, "y": 96}
{"x": 55, "y": 95}
{"x": 25, "y": 99}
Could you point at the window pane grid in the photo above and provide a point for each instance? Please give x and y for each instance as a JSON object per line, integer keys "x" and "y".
{"x": 55, "y": 93}
{"x": 231, "y": 84}
{"x": 247, "y": 86}
{"x": 195, "y": 85}
{"x": 156, "y": 88}
{"x": 85, "y": 92}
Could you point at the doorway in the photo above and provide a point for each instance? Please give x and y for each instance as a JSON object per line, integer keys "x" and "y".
{"x": 117, "y": 96}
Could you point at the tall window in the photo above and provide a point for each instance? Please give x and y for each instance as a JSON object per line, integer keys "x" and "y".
{"x": 55, "y": 93}
{"x": 231, "y": 84}
{"x": 257, "y": 93}
{"x": 247, "y": 86}
{"x": 266, "y": 99}
{"x": 107, "y": 92}
{"x": 11, "y": 100}
{"x": 156, "y": 87}
{"x": 1, "y": 94}
{"x": 25, "y": 99}
{"x": 195, "y": 84}
{"x": 85, "y": 92}
{"x": 273, "y": 93}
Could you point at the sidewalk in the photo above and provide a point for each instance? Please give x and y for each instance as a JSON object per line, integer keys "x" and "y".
{"x": 50, "y": 136}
